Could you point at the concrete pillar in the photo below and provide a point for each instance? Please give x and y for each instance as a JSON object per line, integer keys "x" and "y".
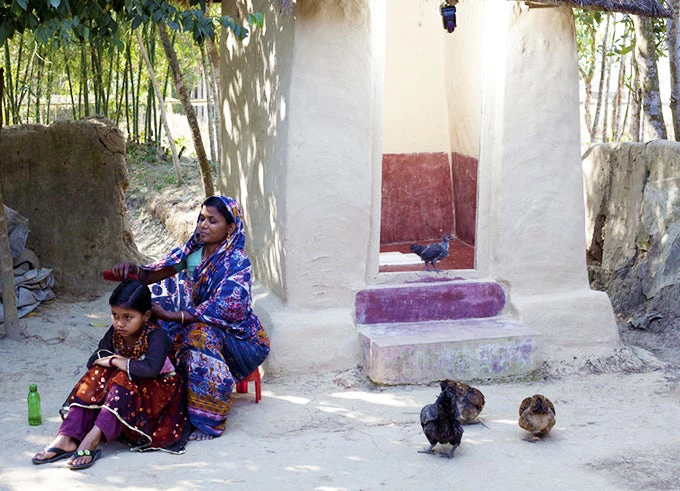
{"x": 302, "y": 161}
{"x": 531, "y": 233}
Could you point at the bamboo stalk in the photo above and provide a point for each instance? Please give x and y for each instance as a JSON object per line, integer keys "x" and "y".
{"x": 161, "y": 104}
{"x": 70, "y": 85}
{"x": 128, "y": 63}
{"x": 209, "y": 106}
{"x": 136, "y": 101}
{"x": 217, "y": 91}
{"x": 83, "y": 80}
{"x": 180, "y": 87}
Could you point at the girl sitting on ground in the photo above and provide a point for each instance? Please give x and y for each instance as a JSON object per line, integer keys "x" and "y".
{"x": 130, "y": 392}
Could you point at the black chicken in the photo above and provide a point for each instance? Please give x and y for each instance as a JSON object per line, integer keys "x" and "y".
{"x": 537, "y": 415}
{"x": 470, "y": 400}
{"x": 432, "y": 253}
{"x": 441, "y": 422}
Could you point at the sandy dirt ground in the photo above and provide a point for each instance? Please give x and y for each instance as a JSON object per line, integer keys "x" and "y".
{"x": 336, "y": 431}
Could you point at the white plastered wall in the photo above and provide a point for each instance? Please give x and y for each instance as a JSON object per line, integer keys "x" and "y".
{"x": 531, "y": 183}
{"x": 463, "y": 70}
{"x": 298, "y": 150}
{"x": 255, "y": 77}
{"x": 415, "y": 117}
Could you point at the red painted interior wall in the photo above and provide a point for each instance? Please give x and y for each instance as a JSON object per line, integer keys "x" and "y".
{"x": 464, "y": 170}
{"x": 416, "y": 197}
{"x": 424, "y": 197}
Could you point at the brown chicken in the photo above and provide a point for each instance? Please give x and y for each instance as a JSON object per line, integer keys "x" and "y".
{"x": 441, "y": 422}
{"x": 470, "y": 400}
{"x": 537, "y": 415}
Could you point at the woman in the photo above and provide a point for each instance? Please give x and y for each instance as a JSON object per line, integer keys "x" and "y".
{"x": 203, "y": 300}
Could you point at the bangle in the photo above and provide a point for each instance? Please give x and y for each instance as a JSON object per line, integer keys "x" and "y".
{"x": 182, "y": 314}
{"x": 111, "y": 361}
{"x": 127, "y": 368}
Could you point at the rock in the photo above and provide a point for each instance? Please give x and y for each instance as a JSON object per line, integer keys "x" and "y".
{"x": 643, "y": 321}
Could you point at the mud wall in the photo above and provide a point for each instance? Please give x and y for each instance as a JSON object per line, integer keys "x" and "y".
{"x": 633, "y": 219}
{"x": 69, "y": 180}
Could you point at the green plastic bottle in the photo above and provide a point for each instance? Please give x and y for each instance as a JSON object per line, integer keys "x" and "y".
{"x": 33, "y": 399}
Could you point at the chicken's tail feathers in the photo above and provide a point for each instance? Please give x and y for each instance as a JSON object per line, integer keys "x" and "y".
{"x": 417, "y": 249}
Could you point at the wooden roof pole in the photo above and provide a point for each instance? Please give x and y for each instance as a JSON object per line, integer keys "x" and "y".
{"x": 10, "y": 327}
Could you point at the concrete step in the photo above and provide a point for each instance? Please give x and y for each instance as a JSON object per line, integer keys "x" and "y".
{"x": 428, "y": 301}
{"x": 467, "y": 349}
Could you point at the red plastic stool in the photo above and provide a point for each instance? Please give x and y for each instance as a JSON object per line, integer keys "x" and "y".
{"x": 242, "y": 386}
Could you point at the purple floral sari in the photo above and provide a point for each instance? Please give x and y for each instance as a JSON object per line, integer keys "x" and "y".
{"x": 228, "y": 341}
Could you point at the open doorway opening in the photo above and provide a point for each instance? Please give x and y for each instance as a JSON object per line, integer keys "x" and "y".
{"x": 430, "y": 148}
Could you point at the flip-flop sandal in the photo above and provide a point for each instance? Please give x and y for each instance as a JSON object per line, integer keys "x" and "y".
{"x": 60, "y": 454}
{"x": 85, "y": 453}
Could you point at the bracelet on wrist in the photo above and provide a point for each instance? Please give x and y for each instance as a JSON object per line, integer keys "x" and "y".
{"x": 181, "y": 312}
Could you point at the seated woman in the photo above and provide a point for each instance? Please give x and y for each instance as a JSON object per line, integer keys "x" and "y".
{"x": 202, "y": 292}
{"x": 130, "y": 391}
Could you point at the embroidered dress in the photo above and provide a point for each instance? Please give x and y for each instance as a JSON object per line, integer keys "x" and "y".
{"x": 228, "y": 341}
{"x": 148, "y": 402}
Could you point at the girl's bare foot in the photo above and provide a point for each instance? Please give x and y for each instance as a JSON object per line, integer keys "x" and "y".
{"x": 61, "y": 442}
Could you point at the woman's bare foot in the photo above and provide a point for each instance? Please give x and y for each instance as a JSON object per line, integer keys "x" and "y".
{"x": 90, "y": 443}
{"x": 198, "y": 435}
{"x": 62, "y": 442}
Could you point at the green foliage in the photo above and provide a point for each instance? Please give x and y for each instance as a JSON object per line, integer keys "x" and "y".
{"x": 72, "y": 74}
{"x": 60, "y": 21}
{"x": 587, "y": 23}
{"x": 99, "y": 21}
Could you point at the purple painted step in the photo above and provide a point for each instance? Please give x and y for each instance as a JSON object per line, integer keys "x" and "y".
{"x": 418, "y": 302}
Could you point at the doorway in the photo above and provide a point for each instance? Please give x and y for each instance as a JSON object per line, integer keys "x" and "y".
{"x": 430, "y": 136}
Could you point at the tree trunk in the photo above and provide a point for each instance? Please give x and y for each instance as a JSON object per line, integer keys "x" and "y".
{"x": 673, "y": 29}
{"x": 180, "y": 87}
{"x": 588, "y": 84}
{"x": 600, "y": 95}
{"x": 10, "y": 326}
{"x": 635, "y": 102}
{"x": 605, "y": 111}
{"x": 161, "y": 104}
{"x": 618, "y": 101}
{"x": 645, "y": 52}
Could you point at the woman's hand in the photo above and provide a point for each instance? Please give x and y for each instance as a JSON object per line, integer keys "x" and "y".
{"x": 124, "y": 269}
{"x": 159, "y": 312}
{"x": 182, "y": 317}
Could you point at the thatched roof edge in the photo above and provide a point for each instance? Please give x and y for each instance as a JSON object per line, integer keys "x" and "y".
{"x": 647, "y": 8}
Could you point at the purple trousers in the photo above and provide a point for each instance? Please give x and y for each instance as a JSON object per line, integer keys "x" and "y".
{"x": 79, "y": 421}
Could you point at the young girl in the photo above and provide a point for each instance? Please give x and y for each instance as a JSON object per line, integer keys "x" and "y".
{"x": 130, "y": 391}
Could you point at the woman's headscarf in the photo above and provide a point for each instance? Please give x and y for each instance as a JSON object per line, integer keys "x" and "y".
{"x": 237, "y": 240}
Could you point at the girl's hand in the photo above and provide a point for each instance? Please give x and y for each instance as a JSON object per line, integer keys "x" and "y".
{"x": 107, "y": 361}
